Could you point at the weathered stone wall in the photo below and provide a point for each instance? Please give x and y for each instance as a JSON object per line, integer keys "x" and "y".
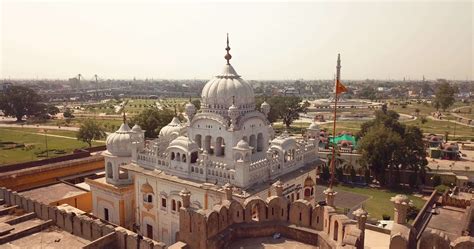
{"x": 217, "y": 228}
{"x": 76, "y": 222}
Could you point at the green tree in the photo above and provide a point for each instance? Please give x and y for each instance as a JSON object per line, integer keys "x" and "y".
{"x": 387, "y": 144}
{"x": 19, "y": 101}
{"x": 325, "y": 173}
{"x": 152, "y": 120}
{"x": 444, "y": 96}
{"x": 368, "y": 93}
{"x": 197, "y": 104}
{"x": 285, "y": 108}
{"x": 378, "y": 148}
{"x": 90, "y": 130}
{"x": 52, "y": 110}
{"x": 68, "y": 113}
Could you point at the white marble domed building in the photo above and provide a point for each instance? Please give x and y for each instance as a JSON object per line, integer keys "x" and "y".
{"x": 228, "y": 142}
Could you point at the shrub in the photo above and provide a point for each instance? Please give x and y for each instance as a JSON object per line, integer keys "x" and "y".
{"x": 441, "y": 188}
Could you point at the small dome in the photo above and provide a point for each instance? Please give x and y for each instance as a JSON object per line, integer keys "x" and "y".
{"x": 184, "y": 143}
{"x": 147, "y": 188}
{"x": 189, "y": 107}
{"x": 119, "y": 143}
{"x": 242, "y": 144}
{"x": 308, "y": 182}
{"x": 137, "y": 128}
{"x": 174, "y": 127}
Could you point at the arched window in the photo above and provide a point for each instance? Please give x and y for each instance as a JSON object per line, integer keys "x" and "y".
{"x": 307, "y": 192}
{"x": 178, "y": 157}
{"x": 110, "y": 172}
{"x": 194, "y": 157}
{"x": 173, "y": 205}
{"x": 172, "y": 156}
{"x": 184, "y": 158}
{"x": 259, "y": 142}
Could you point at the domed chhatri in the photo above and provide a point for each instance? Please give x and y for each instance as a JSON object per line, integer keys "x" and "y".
{"x": 119, "y": 143}
{"x": 219, "y": 93}
{"x": 136, "y": 128}
{"x": 184, "y": 143}
{"x": 243, "y": 145}
{"x": 265, "y": 107}
{"x": 174, "y": 127}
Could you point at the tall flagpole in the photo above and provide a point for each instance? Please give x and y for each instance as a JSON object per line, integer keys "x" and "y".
{"x": 338, "y": 75}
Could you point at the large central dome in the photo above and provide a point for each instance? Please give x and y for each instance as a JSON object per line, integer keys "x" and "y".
{"x": 226, "y": 89}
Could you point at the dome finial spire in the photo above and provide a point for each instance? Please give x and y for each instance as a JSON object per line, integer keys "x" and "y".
{"x": 124, "y": 116}
{"x": 228, "y": 56}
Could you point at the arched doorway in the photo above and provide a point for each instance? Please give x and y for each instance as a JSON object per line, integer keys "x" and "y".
{"x": 220, "y": 147}
{"x": 259, "y": 142}
{"x": 198, "y": 140}
{"x": 253, "y": 143}
{"x": 207, "y": 144}
{"x": 255, "y": 212}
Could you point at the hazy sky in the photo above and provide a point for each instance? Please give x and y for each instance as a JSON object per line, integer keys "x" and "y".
{"x": 269, "y": 40}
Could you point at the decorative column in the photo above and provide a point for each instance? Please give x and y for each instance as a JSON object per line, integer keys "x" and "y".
{"x": 228, "y": 191}
{"x": 330, "y": 195}
{"x": 361, "y": 217}
{"x": 278, "y": 188}
{"x": 401, "y": 204}
{"x": 186, "y": 197}
{"x": 233, "y": 113}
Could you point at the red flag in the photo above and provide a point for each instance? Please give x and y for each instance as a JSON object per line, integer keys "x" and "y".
{"x": 340, "y": 88}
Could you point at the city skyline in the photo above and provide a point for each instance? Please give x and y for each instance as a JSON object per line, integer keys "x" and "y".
{"x": 269, "y": 41}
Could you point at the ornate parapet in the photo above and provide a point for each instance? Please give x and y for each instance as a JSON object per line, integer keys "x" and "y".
{"x": 225, "y": 223}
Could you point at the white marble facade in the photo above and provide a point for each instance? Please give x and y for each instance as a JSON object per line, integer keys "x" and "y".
{"x": 228, "y": 141}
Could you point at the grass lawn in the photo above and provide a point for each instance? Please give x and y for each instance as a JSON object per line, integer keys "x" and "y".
{"x": 379, "y": 202}
{"x": 440, "y": 127}
{"x": 35, "y": 144}
{"x": 36, "y": 130}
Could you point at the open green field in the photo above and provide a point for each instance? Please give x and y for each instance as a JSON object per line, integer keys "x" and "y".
{"x": 440, "y": 127}
{"x": 379, "y": 202}
{"x": 32, "y": 146}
